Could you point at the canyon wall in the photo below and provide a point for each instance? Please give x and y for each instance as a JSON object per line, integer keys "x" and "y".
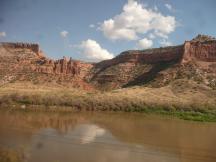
{"x": 150, "y": 56}
{"x": 194, "y": 59}
{"x": 32, "y": 46}
{"x": 201, "y": 51}
{"x": 63, "y": 66}
{"x": 201, "y": 48}
{"x": 25, "y": 60}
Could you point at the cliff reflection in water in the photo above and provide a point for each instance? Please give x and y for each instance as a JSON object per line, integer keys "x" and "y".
{"x": 46, "y": 136}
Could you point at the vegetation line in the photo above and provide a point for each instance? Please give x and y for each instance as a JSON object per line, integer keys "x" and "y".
{"x": 203, "y": 113}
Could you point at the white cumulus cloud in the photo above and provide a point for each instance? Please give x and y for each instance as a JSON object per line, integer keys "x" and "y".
{"x": 64, "y": 33}
{"x": 137, "y": 19}
{"x": 145, "y": 43}
{"x": 168, "y": 6}
{"x": 151, "y": 36}
{"x": 93, "y": 51}
{"x": 3, "y": 34}
{"x": 165, "y": 42}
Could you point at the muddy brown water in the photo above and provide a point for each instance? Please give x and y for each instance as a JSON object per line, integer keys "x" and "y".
{"x": 106, "y": 137}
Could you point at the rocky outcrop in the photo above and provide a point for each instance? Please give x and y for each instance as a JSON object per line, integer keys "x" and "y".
{"x": 202, "y": 48}
{"x": 135, "y": 66}
{"x": 63, "y": 66}
{"x": 150, "y": 56}
{"x": 32, "y": 46}
{"x": 21, "y": 54}
{"x": 26, "y": 62}
{"x": 142, "y": 66}
{"x": 196, "y": 57}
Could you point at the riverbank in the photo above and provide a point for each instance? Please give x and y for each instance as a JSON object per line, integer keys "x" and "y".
{"x": 187, "y": 105}
{"x": 192, "y": 115}
{"x": 200, "y": 116}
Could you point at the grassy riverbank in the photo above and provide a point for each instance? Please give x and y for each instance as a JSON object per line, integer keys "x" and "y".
{"x": 188, "y": 105}
{"x": 201, "y": 116}
{"x": 10, "y": 155}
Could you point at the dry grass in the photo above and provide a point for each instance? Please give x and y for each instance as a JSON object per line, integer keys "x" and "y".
{"x": 189, "y": 96}
{"x": 187, "y": 101}
{"x": 9, "y": 155}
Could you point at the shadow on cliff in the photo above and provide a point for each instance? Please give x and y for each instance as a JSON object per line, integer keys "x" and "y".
{"x": 149, "y": 76}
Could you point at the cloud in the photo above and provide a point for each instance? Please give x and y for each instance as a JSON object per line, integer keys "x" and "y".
{"x": 165, "y": 42}
{"x": 168, "y": 6}
{"x": 64, "y": 33}
{"x": 3, "y": 34}
{"x": 93, "y": 51}
{"x": 151, "y": 36}
{"x": 145, "y": 43}
{"x": 160, "y": 34}
{"x": 91, "y": 25}
{"x": 136, "y": 19}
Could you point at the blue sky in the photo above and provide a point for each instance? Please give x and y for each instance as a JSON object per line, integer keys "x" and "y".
{"x": 100, "y": 29}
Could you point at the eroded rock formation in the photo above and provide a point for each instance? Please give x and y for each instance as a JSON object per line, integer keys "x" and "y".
{"x": 32, "y": 46}
{"x": 150, "y": 56}
{"x": 63, "y": 66}
{"x": 201, "y": 48}
{"x": 197, "y": 57}
{"x": 193, "y": 59}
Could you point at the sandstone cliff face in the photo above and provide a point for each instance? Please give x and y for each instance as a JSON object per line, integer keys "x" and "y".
{"x": 202, "y": 51}
{"x": 195, "y": 59}
{"x": 162, "y": 65}
{"x": 63, "y": 67}
{"x": 135, "y": 67}
{"x": 26, "y": 62}
{"x": 34, "y": 47}
{"x": 150, "y": 56}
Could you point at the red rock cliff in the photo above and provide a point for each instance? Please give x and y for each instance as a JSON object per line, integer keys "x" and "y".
{"x": 123, "y": 68}
{"x": 150, "y": 56}
{"x": 64, "y": 67}
{"x": 32, "y": 46}
{"x": 202, "y": 48}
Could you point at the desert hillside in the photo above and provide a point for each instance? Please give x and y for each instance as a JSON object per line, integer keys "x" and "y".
{"x": 183, "y": 77}
{"x": 194, "y": 60}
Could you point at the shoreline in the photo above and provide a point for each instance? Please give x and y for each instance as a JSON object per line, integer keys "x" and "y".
{"x": 198, "y": 116}
{"x": 187, "y": 104}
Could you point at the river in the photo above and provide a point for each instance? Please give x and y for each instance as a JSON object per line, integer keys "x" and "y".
{"x": 105, "y": 137}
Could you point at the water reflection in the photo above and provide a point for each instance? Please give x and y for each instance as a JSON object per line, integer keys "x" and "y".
{"x": 88, "y": 132}
{"x": 89, "y": 142}
{"x": 96, "y": 137}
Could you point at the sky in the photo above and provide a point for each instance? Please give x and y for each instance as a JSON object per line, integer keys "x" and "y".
{"x": 94, "y": 30}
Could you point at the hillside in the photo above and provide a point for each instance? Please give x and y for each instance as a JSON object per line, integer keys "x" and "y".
{"x": 26, "y": 62}
{"x": 170, "y": 77}
{"x": 194, "y": 60}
